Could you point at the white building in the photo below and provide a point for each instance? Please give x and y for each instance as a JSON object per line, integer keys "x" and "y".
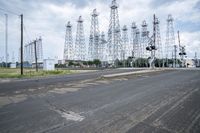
{"x": 49, "y": 64}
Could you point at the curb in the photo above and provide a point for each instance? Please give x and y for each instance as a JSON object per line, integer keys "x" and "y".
{"x": 129, "y": 73}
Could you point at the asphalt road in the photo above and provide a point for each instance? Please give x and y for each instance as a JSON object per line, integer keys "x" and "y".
{"x": 17, "y": 85}
{"x": 161, "y": 102}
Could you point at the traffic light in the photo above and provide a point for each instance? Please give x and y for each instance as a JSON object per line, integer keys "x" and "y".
{"x": 148, "y": 48}
{"x": 153, "y": 47}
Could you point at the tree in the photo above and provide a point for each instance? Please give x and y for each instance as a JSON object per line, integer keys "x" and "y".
{"x": 90, "y": 63}
{"x": 97, "y": 62}
{"x": 70, "y": 63}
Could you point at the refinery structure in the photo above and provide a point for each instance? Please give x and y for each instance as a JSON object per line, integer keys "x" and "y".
{"x": 132, "y": 41}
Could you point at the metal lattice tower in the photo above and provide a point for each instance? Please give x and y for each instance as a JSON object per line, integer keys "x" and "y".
{"x": 29, "y": 51}
{"x": 80, "y": 47}
{"x": 126, "y": 47}
{"x": 19, "y": 55}
{"x": 144, "y": 40}
{"x": 68, "y": 47}
{"x": 182, "y": 52}
{"x": 39, "y": 49}
{"x": 103, "y": 48}
{"x": 93, "y": 52}
{"x": 158, "y": 43}
{"x": 114, "y": 35}
{"x": 138, "y": 44}
{"x": 135, "y": 40}
{"x": 170, "y": 38}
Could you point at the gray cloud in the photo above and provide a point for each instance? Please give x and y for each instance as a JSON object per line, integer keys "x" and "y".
{"x": 197, "y": 6}
{"x": 157, "y": 3}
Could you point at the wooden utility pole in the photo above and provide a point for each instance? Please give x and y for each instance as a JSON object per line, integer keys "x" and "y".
{"x": 22, "y": 72}
{"x": 35, "y": 47}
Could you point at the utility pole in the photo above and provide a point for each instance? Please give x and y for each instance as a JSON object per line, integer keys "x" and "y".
{"x": 21, "y": 44}
{"x": 154, "y": 41}
{"x": 182, "y": 51}
{"x": 195, "y": 59}
{"x": 35, "y": 47}
{"x": 152, "y": 48}
{"x": 175, "y": 55}
{"x": 6, "y": 40}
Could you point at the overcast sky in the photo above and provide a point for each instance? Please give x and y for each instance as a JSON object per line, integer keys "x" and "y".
{"x": 47, "y": 18}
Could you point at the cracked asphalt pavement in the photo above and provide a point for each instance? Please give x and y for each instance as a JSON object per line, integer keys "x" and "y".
{"x": 158, "y": 102}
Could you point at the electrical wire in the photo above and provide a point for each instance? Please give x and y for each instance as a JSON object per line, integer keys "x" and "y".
{"x": 25, "y": 30}
{"x": 11, "y": 12}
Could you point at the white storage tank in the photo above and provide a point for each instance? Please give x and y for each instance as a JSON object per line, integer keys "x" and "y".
{"x": 49, "y": 64}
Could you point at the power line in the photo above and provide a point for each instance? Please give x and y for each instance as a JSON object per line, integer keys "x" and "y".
{"x": 11, "y": 12}
{"x": 25, "y": 30}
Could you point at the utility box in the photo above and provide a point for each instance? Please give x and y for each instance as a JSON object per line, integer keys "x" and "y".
{"x": 13, "y": 65}
{"x": 49, "y": 64}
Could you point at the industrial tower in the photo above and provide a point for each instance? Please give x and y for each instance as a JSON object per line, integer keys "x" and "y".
{"x": 29, "y": 51}
{"x": 158, "y": 43}
{"x": 103, "y": 51}
{"x": 182, "y": 51}
{"x": 93, "y": 52}
{"x": 126, "y": 47}
{"x": 39, "y": 49}
{"x": 144, "y": 40}
{"x": 135, "y": 40}
{"x": 152, "y": 44}
{"x": 138, "y": 44}
{"x": 170, "y": 38}
{"x": 68, "y": 47}
{"x": 80, "y": 47}
{"x": 114, "y": 35}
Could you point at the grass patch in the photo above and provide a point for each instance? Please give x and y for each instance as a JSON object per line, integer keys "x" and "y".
{"x": 28, "y": 73}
